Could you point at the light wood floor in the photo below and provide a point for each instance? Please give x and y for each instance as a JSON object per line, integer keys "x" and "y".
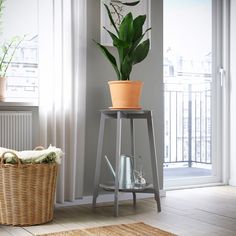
{"x": 203, "y": 211}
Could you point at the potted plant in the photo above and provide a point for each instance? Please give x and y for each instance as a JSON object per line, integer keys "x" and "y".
{"x": 7, "y": 52}
{"x": 132, "y": 49}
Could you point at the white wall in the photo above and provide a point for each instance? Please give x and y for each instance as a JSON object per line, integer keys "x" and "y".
{"x": 232, "y": 180}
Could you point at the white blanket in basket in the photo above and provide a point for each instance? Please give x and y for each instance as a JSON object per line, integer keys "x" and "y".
{"x": 49, "y": 155}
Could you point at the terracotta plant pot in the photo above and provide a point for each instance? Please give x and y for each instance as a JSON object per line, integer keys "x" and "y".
{"x": 2, "y": 88}
{"x": 125, "y": 94}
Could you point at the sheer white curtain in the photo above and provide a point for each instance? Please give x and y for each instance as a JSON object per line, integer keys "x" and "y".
{"x": 62, "y": 73}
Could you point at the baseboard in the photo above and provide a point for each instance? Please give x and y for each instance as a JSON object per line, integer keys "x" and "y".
{"x": 195, "y": 186}
{"x": 105, "y": 198}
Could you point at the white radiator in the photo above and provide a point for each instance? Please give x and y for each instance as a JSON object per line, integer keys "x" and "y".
{"x": 16, "y": 130}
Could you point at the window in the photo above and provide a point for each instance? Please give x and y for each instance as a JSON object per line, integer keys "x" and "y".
{"x": 20, "y": 18}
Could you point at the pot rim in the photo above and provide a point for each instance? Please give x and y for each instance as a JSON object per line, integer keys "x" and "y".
{"x": 125, "y": 82}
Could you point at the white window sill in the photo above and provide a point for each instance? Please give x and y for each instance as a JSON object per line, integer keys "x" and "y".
{"x": 19, "y": 103}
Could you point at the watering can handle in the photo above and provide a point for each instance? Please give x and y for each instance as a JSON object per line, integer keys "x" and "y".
{"x": 110, "y": 166}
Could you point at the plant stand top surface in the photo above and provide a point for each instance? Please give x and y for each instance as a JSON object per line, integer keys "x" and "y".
{"x": 125, "y": 113}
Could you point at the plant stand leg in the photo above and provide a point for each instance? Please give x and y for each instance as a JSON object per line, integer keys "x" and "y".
{"x": 99, "y": 159}
{"x": 133, "y": 151}
{"x": 153, "y": 160}
{"x": 118, "y": 152}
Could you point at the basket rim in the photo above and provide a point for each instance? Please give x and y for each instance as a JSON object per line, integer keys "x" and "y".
{"x": 24, "y": 165}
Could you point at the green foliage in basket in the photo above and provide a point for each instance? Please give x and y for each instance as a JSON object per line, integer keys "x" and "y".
{"x": 50, "y": 158}
{"x": 10, "y": 159}
{"x": 46, "y": 156}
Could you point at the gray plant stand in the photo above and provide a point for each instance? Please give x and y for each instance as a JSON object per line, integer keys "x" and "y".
{"x": 131, "y": 115}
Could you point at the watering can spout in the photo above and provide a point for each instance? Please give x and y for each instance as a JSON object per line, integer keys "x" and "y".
{"x": 110, "y": 166}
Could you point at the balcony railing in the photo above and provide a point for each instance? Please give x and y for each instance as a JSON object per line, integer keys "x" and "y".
{"x": 188, "y": 122}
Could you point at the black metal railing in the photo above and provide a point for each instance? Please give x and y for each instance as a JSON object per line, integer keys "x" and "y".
{"x": 188, "y": 122}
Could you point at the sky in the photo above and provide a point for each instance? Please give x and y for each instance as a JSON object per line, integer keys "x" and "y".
{"x": 18, "y": 19}
{"x": 188, "y": 27}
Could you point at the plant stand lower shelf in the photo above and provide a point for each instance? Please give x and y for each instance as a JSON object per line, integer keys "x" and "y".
{"x": 119, "y": 115}
{"x": 148, "y": 188}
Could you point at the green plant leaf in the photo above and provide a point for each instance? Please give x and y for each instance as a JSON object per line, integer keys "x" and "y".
{"x": 136, "y": 43}
{"x": 138, "y": 26}
{"x": 126, "y": 28}
{"x": 8, "y": 55}
{"x": 126, "y": 68}
{"x": 4, "y": 48}
{"x": 116, "y": 41}
{"x": 130, "y": 3}
{"x": 110, "y": 58}
{"x": 111, "y": 19}
{"x": 141, "y": 52}
{"x": 128, "y": 40}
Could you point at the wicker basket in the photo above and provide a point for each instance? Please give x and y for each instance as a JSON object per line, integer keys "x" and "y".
{"x": 27, "y": 193}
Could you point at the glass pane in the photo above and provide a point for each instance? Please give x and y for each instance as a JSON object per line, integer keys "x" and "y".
{"x": 21, "y": 20}
{"x": 187, "y": 82}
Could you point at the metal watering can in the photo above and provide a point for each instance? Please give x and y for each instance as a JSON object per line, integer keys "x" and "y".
{"x": 126, "y": 172}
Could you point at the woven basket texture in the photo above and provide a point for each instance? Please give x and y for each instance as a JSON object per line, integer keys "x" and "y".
{"x": 27, "y": 193}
